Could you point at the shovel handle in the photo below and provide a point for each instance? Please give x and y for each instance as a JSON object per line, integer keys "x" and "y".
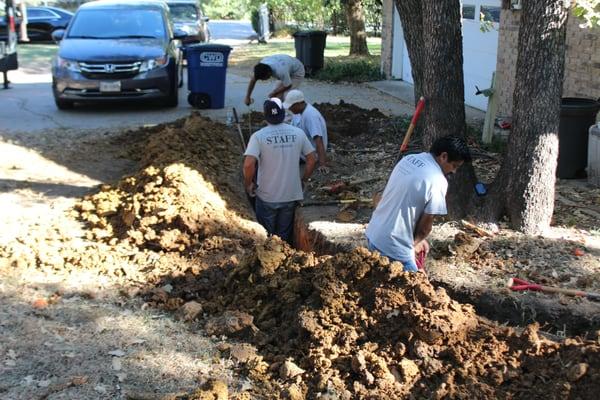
{"x": 413, "y": 123}
{"x": 517, "y": 284}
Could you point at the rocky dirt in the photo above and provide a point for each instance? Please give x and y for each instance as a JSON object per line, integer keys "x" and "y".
{"x": 161, "y": 286}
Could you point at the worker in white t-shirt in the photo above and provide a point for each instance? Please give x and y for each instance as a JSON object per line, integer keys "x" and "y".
{"x": 288, "y": 70}
{"x": 413, "y": 196}
{"x": 275, "y": 150}
{"x": 310, "y": 120}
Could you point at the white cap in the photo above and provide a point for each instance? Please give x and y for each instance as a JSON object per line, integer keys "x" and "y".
{"x": 293, "y": 97}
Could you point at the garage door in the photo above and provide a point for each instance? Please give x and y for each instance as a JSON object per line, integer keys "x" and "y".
{"x": 480, "y": 46}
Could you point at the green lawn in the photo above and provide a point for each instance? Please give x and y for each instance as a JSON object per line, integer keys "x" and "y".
{"x": 36, "y": 58}
{"x": 336, "y": 46}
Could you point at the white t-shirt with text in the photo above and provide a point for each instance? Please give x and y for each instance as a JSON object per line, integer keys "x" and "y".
{"x": 417, "y": 185}
{"x": 278, "y": 149}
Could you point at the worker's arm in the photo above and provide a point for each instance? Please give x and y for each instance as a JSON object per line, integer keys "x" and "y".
{"x": 280, "y": 90}
{"x": 321, "y": 152}
{"x": 251, "y": 84}
{"x": 311, "y": 162}
{"x": 249, "y": 173}
{"x": 423, "y": 229}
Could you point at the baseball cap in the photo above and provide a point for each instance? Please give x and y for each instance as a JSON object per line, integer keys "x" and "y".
{"x": 274, "y": 112}
{"x": 293, "y": 97}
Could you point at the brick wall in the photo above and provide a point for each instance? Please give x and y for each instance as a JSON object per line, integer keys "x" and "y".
{"x": 582, "y": 60}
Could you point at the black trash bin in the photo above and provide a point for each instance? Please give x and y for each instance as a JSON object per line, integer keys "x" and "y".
{"x": 310, "y": 49}
{"x": 576, "y": 117}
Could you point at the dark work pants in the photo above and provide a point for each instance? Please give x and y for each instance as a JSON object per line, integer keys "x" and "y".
{"x": 277, "y": 218}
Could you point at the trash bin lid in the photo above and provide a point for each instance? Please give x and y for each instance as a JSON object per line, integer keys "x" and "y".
{"x": 310, "y": 33}
{"x": 579, "y": 105}
{"x": 202, "y": 47}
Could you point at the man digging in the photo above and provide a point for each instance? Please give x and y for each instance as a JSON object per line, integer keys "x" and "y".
{"x": 413, "y": 196}
{"x": 310, "y": 120}
{"x": 276, "y": 149}
{"x": 288, "y": 70}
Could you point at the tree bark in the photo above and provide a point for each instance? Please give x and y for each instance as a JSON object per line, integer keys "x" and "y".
{"x": 411, "y": 16}
{"x": 356, "y": 24}
{"x": 524, "y": 188}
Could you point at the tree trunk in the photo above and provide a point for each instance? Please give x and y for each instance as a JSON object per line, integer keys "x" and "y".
{"x": 524, "y": 188}
{"x": 432, "y": 31}
{"x": 356, "y": 24}
{"x": 411, "y": 16}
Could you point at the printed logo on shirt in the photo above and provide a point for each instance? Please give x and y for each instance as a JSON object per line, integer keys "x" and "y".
{"x": 416, "y": 162}
{"x": 281, "y": 139}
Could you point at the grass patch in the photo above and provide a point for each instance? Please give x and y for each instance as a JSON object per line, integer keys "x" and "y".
{"x": 351, "y": 69}
{"x": 337, "y": 46}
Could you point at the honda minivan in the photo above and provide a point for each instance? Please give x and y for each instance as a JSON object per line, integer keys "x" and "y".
{"x": 118, "y": 51}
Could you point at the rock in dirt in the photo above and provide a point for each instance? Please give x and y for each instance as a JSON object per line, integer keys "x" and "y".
{"x": 290, "y": 370}
{"x": 577, "y": 371}
{"x": 231, "y": 322}
{"x": 189, "y": 311}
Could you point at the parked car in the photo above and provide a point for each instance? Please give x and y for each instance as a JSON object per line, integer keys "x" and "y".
{"x": 187, "y": 16}
{"x": 41, "y": 22}
{"x": 115, "y": 50}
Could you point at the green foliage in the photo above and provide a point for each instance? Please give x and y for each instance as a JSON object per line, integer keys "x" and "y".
{"x": 351, "y": 69}
{"x": 589, "y": 11}
{"x": 224, "y": 9}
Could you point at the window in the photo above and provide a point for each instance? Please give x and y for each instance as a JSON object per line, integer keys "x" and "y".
{"x": 468, "y": 11}
{"x": 36, "y": 13}
{"x": 117, "y": 23}
{"x": 183, "y": 11}
{"x": 489, "y": 14}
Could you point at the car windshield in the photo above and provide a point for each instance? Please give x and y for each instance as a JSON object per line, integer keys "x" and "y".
{"x": 117, "y": 23}
{"x": 183, "y": 11}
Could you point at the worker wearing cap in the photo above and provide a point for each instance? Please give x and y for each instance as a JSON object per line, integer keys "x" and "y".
{"x": 310, "y": 120}
{"x": 413, "y": 196}
{"x": 275, "y": 150}
{"x": 288, "y": 70}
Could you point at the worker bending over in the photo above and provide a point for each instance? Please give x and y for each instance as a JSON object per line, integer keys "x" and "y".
{"x": 288, "y": 70}
{"x": 413, "y": 196}
{"x": 276, "y": 150}
{"x": 310, "y": 120}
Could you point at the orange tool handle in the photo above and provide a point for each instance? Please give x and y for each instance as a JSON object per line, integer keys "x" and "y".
{"x": 413, "y": 123}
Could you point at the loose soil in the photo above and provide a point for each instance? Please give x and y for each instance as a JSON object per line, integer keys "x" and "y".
{"x": 175, "y": 239}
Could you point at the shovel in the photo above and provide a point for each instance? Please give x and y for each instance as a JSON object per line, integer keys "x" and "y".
{"x": 239, "y": 129}
{"x": 516, "y": 284}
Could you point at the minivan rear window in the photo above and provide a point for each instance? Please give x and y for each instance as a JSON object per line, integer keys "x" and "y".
{"x": 117, "y": 23}
{"x": 183, "y": 11}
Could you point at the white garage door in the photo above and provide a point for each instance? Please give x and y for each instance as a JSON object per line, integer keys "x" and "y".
{"x": 479, "y": 48}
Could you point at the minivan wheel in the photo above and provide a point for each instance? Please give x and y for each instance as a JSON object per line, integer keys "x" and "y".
{"x": 63, "y": 104}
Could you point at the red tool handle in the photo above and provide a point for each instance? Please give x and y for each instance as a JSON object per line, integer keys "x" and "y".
{"x": 413, "y": 123}
{"x": 517, "y": 284}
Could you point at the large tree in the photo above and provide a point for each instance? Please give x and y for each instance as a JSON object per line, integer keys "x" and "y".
{"x": 524, "y": 188}
{"x": 356, "y": 24}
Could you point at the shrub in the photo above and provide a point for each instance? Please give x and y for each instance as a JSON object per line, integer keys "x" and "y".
{"x": 350, "y": 69}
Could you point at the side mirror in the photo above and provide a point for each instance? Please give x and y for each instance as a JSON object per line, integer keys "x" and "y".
{"x": 58, "y": 35}
{"x": 179, "y": 34}
{"x": 205, "y": 19}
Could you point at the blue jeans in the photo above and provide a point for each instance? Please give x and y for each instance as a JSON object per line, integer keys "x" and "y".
{"x": 409, "y": 263}
{"x": 277, "y": 218}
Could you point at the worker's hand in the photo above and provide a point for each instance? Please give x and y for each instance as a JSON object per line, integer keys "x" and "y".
{"x": 251, "y": 189}
{"x": 423, "y": 245}
{"x": 323, "y": 169}
{"x": 248, "y": 100}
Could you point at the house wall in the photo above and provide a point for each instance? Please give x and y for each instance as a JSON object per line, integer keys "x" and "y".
{"x": 582, "y": 60}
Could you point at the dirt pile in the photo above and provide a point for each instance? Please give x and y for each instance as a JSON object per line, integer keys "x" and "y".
{"x": 188, "y": 190}
{"x": 355, "y": 326}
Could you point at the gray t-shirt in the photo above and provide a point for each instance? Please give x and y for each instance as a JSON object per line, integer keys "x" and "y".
{"x": 312, "y": 123}
{"x": 417, "y": 185}
{"x": 278, "y": 149}
{"x": 284, "y": 67}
